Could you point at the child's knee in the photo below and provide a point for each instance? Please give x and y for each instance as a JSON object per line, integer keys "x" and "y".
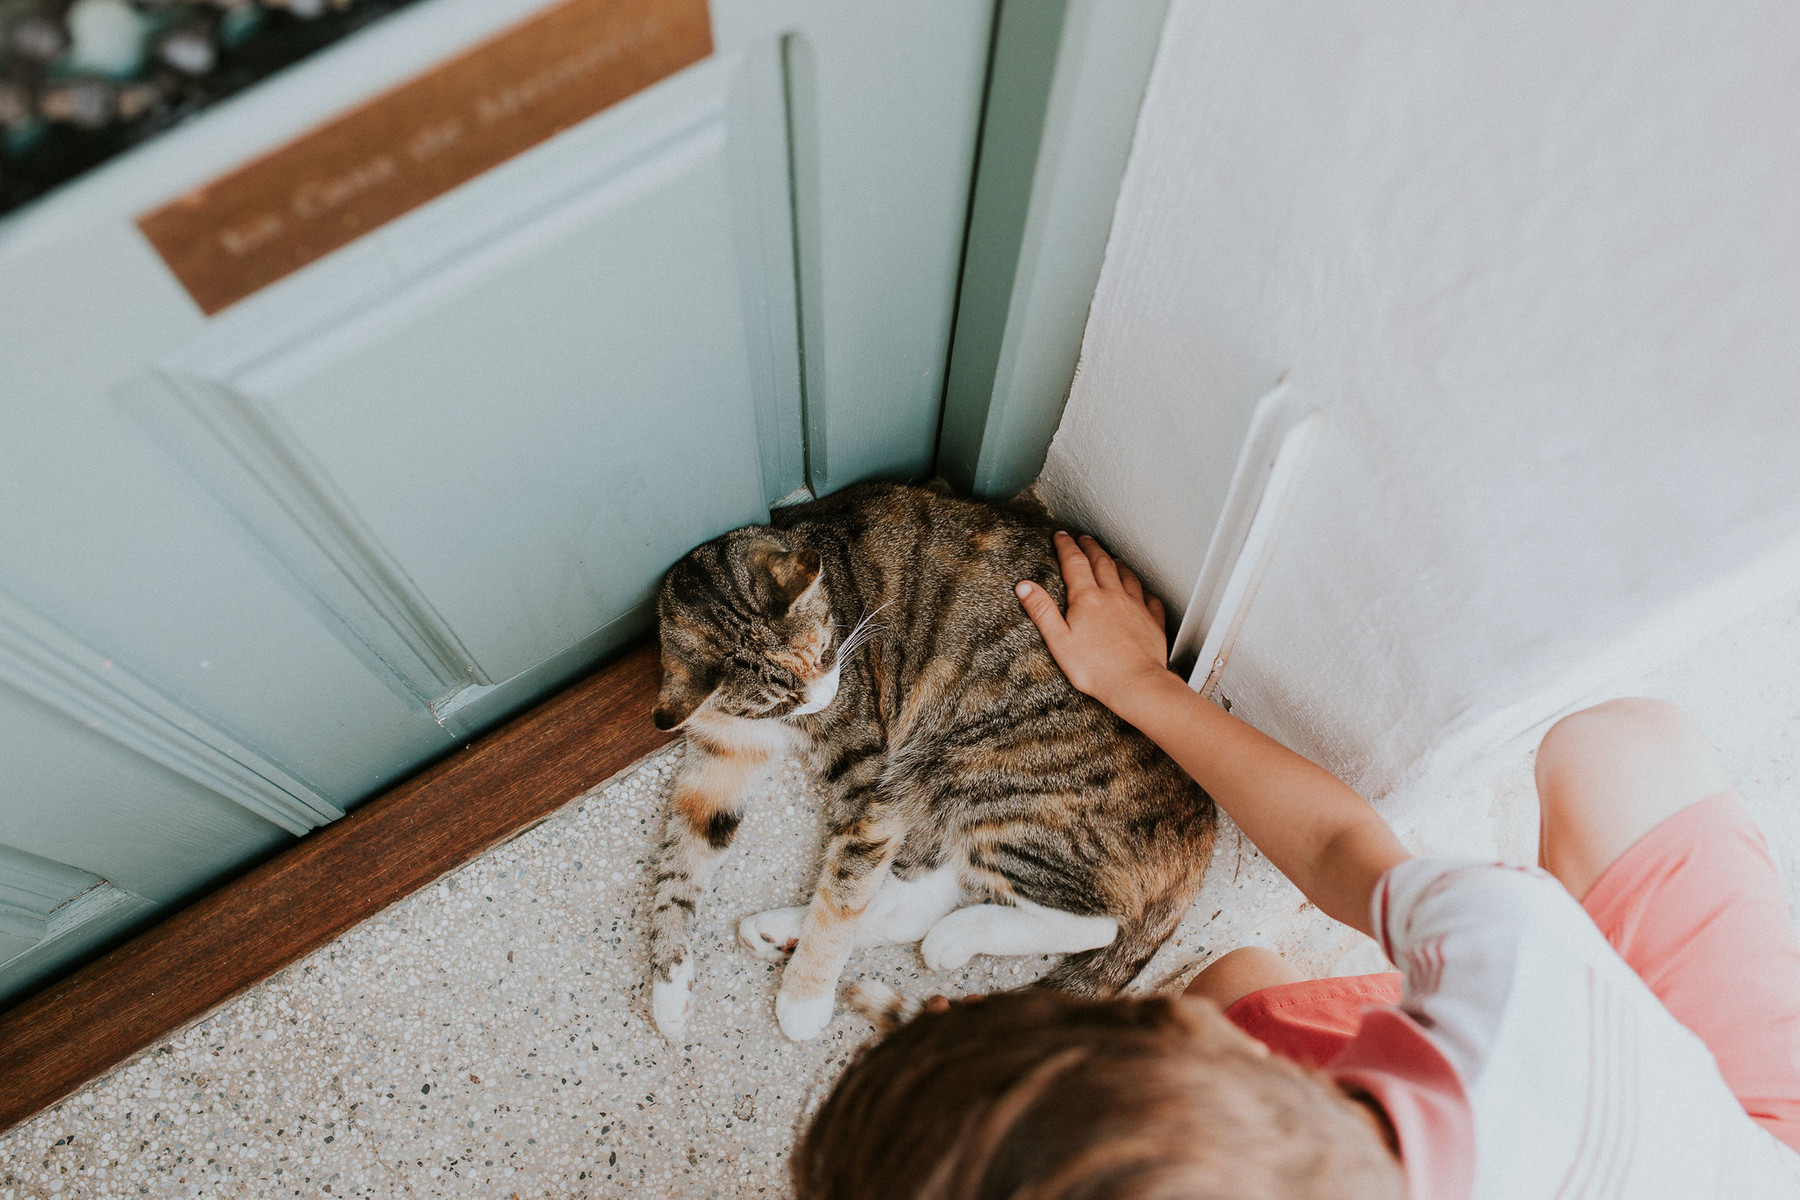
{"x": 1239, "y": 972}
{"x": 1609, "y": 774}
{"x": 1634, "y": 744}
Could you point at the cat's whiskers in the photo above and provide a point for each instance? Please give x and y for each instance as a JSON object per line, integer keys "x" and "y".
{"x": 865, "y": 629}
{"x": 859, "y": 637}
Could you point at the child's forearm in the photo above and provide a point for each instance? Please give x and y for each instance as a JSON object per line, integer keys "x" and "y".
{"x": 1112, "y": 646}
{"x": 1310, "y": 824}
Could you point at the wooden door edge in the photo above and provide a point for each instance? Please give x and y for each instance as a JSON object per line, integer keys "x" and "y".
{"x": 57, "y": 1040}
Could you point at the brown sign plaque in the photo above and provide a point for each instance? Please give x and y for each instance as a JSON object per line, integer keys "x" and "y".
{"x": 300, "y": 202}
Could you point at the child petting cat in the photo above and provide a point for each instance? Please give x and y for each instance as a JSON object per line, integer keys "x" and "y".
{"x": 1622, "y": 1021}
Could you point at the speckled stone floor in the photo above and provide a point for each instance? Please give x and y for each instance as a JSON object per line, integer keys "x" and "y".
{"x": 489, "y": 1036}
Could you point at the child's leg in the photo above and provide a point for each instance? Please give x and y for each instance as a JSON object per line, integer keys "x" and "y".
{"x": 1234, "y": 975}
{"x": 1608, "y": 775}
{"x": 1640, "y": 823}
{"x": 1307, "y": 1020}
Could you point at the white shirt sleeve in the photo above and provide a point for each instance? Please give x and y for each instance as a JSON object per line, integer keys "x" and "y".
{"x": 1580, "y": 1082}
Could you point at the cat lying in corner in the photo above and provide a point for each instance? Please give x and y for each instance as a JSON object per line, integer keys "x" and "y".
{"x": 876, "y": 634}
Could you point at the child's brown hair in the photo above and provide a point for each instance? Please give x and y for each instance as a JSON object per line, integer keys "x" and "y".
{"x": 1043, "y": 1096}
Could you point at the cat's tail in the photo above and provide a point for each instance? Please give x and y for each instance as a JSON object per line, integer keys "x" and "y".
{"x": 1103, "y": 971}
{"x": 885, "y": 1008}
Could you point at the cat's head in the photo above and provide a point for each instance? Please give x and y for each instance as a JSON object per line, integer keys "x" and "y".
{"x": 746, "y": 631}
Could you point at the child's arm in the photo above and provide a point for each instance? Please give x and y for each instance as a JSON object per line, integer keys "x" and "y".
{"x": 1316, "y": 831}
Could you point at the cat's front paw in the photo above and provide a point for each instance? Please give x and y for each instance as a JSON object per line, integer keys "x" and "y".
{"x": 803, "y": 1017}
{"x": 772, "y": 934}
{"x": 672, "y": 1000}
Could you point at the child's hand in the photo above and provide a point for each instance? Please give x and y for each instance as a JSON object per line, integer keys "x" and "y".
{"x": 1112, "y": 641}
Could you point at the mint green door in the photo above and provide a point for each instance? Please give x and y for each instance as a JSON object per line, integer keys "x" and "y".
{"x": 257, "y": 566}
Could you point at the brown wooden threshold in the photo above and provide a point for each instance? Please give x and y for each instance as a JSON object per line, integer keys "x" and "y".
{"x": 176, "y": 971}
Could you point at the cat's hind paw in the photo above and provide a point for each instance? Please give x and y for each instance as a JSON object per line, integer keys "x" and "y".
{"x": 803, "y": 1018}
{"x": 672, "y": 1000}
{"x": 773, "y": 934}
{"x": 948, "y": 945}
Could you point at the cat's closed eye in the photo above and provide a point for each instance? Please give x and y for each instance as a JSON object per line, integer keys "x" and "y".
{"x": 795, "y": 662}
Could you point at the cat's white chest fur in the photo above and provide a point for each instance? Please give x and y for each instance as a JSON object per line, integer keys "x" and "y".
{"x": 765, "y": 740}
{"x": 821, "y": 691}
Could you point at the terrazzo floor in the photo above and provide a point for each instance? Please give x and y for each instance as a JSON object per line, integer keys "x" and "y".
{"x": 489, "y": 1035}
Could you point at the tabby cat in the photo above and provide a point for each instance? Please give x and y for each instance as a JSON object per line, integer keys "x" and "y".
{"x": 876, "y": 634}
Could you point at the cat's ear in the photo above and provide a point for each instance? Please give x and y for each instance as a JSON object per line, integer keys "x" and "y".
{"x": 788, "y": 575}
{"x": 681, "y": 693}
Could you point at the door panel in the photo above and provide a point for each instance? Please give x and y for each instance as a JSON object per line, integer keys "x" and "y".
{"x": 616, "y": 431}
{"x": 146, "y": 828}
{"x": 46, "y": 665}
{"x": 260, "y": 565}
{"x": 878, "y": 94}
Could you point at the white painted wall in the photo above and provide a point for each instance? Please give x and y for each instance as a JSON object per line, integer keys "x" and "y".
{"x": 1540, "y": 264}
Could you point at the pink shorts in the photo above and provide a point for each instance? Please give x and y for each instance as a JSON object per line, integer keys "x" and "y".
{"x": 1695, "y": 906}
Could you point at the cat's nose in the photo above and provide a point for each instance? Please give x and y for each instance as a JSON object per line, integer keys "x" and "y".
{"x": 663, "y": 719}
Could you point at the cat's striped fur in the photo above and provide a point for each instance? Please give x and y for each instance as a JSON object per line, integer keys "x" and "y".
{"x": 948, "y": 741}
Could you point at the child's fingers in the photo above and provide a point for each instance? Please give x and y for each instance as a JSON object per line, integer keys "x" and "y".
{"x": 1131, "y": 582}
{"x": 1076, "y": 570}
{"x": 1156, "y": 610}
{"x": 1043, "y": 613}
{"x": 1106, "y": 572}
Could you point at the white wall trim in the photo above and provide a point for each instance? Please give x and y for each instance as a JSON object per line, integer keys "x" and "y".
{"x": 1263, "y": 484}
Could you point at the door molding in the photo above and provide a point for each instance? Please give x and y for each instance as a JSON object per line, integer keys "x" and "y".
{"x": 263, "y": 478}
{"x": 31, "y": 889}
{"x": 58, "y": 670}
{"x": 50, "y": 905}
{"x": 1068, "y": 77}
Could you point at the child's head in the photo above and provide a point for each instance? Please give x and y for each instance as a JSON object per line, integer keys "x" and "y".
{"x": 1033, "y": 1094}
